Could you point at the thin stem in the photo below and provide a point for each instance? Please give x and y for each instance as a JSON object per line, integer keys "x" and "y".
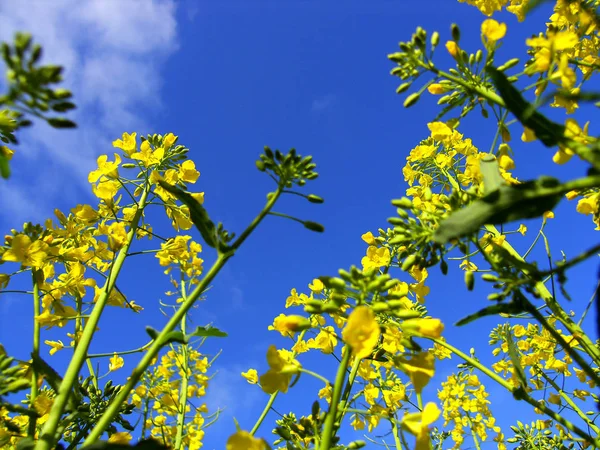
{"x": 158, "y": 343}
{"x": 183, "y": 394}
{"x": 48, "y": 435}
{"x": 36, "y": 345}
{"x": 329, "y": 427}
{"x": 522, "y": 395}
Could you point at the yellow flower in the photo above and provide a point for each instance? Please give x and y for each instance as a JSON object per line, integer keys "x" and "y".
{"x": 325, "y": 341}
{"x": 120, "y": 437}
{"x": 280, "y": 373}
{"x": 588, "y": 205}
{"x": 288, "y": 325}
{"x": 375, "y": 258}
{"x": 436, "y": 89}
{"x": 418, "y": 424}
{"x": 317, "y": 286}
{"x": 439, "y": 130}
{"x": 28, "y": 253}
{"x": 368, "y": 238}
{"x": 127, "y": 144}
{"x": 522, "y": 229}
{"x": 420, "y": 369}
{"x": 169, "y": 140}
{"x": 242, "y": 440}
{"x": 493, "y": 30}
{"x": 56, "y": 346}
{"x": 251, "y": 376}
{"x": 116, "y": 362}
{"x": 106, "y": 189}
{"x": 426, "y": 327}
{"x": 188, "y": 172}
{"x": 362, "y": 331}
{"x": 105, "y": 168}
{"x": 452, "y": 48}
{"x": 548, "y": 215}
{"x": 148, "y": 156}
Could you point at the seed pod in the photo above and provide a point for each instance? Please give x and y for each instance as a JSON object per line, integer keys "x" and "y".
{"x": 411, "y": 99}
{"x": 455, "y": 32}
{"x": 508, "y": 64}
{"x": 403, "y": 202}
{"x": 409, "y": 262}
{"x": 470, "y": 280}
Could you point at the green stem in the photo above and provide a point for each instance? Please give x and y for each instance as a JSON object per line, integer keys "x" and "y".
{"x": 48, "y": 435}
{"x": 522, "y": 394}
{"x": 36, "y": 346}
{"x": 592, "y": 350}
{"x": 184, "y": 381}
{"x": 329, "y": 427}
{"x": 113, "y": 409}
{"x": 568, "y": 399}
{"x": 264, "y": 413}
{"x": 315, "y": 375}
{"x": 272, "y": 398}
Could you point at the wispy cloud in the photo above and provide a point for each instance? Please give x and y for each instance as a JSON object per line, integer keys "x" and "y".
{"x": 322, "y": 103}
{"x": 113, "y": 53}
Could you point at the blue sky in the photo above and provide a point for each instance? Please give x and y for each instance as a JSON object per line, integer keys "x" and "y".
{"x": 228, "y": 78}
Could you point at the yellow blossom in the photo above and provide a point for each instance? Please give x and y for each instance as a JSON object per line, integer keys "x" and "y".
{"x": 493, "y": 30}
{"x": 105, "y": 168}
{"x": 317, "y": 286}
{"x": 368, "y": 238}
{"x": 148, "y": 156}
{"x": 375, "y": 258}
{"x": 242, "y": 440}
{"x": 55, "y": 346}
{"x": 362, "y": 331}
{"x": 452, "y": 48}
{"x": 128, "y": 144}
{"x": 418, "y": 424}
{"x": 120, "y": 437}
{"x": 116, "y": 362}
{"x": 169, "y": 140}
{"x": 188, "y": 172}
{"x": 279, "y": 375}
{"x": 251, "y": 376}
{"x": 437, "y": 89}
{"x": 426, "y": 327}
{"x": 288, "y": 325}
{"x": 28, "y": 253}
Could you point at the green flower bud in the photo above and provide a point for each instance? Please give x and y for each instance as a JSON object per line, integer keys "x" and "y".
{"x": 402, "y": 88}
{"x": 314, "y": 226}
{"x": 403, "y": 202}
{"x": 412, "y": 99}
{"x": 409, "y": 262}
{"x": 435, "y": 39}
{"x": 315, "y": 199}
{"x": 470, "y": 279}
{"x": 508, "y": 64}
{"x": 455, "y": 32}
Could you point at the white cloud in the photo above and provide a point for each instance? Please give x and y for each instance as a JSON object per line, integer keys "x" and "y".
{"x": 114, "y": 53}
{"x": 322, "y": 103}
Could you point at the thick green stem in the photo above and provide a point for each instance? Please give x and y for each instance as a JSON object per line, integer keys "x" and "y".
{"x": 183, "y": 395}
{"x": 36, "y": 346}
{"x": 48, "y": 435}
{"x": 329, "y": 427}
{"x": 264, "y": 413}
{"x": 272, "y": 398}
{"x": 552, "y": 304}
{"x": 137, "y": 373}
{"x": 522, "y": 395}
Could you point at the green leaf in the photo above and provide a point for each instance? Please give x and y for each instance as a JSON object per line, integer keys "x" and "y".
{"x": 4, "y": 166}
{"x": 490, "y": 171}
{"x": 548, "y": 132}
{"x": 146, "y": 444}
{"x": 506, "y": 204}
{"x": 198, "y": 214}
{"x": 512, "y": 308}
{"x": 205, "y": 332}
{"x": 514, "y": 357}
{"x": 59, "y": 122}
{"x": 179, "y": 337}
